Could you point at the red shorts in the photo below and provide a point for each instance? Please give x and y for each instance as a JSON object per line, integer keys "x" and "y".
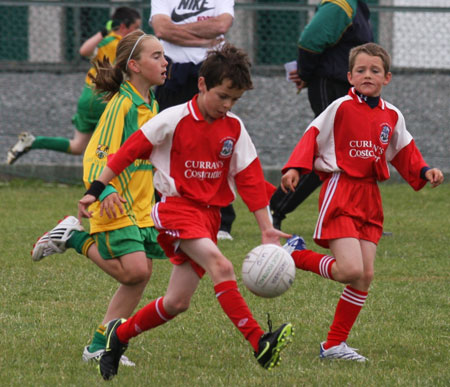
{"x": 349, "y": 208}
{"x": 178, "y": 218}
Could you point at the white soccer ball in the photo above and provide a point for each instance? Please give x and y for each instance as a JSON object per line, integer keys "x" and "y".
{"x": 268, "y": 270}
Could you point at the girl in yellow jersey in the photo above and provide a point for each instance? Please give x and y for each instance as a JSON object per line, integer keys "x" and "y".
{"x": 122, "y": 245}
{"x": 90, "y": 106}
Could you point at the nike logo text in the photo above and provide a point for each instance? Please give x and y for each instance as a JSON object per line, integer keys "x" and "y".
{"x": 192, "y": 5}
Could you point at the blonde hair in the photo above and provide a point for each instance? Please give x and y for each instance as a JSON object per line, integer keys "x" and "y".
{"x": 371, "y": 49}
{"x": 109, "y": 77}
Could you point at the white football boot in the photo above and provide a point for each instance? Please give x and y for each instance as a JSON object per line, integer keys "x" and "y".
{"x": 54, "y": 241}
{"x": 20, "y": 147}
{"x": 341, "y": 351}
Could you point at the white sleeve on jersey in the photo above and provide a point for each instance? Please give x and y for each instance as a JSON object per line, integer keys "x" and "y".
{"x": 400, "y": 137}
{"x": 326, "y": 159}
{"x": 159, "y": 131}
{"x": 244, "y": 150}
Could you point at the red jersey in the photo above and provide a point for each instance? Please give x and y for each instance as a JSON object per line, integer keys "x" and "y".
{"x": 197, "y": 160}
{"x": 351, "y": 137}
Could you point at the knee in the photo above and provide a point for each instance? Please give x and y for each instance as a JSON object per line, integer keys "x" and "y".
{"x": 350, "y": 274}
{"x": 76, "y": 149}
{"x": 223, "y": 269}
{"x": 176, "y": 306}
{"x": 367, "y": 277}
{"x": 136, "y": 277}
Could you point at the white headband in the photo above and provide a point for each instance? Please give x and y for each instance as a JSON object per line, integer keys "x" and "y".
{"x": 131, "y": 53}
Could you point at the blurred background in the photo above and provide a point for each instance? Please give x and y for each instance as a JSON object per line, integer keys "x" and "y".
{"x": 42, "y": 74}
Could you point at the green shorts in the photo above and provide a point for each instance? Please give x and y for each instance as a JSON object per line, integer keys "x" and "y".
{"x": 89, "y": 110}
{"x": 116, "y": 243}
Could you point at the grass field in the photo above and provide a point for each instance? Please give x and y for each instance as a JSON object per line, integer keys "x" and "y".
{"x": 49, "y": 310}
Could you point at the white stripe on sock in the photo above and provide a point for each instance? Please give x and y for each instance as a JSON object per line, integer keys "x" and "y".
{"x": 353, "y": 298}
{"x": 158, "y": 309}
{"x": 324, "y": 264}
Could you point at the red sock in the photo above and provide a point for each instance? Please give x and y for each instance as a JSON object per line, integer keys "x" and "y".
{"x": 347, "y": 310}
{"x": 311, "y": 261}
{"x": 150, "y": 316}
{"x": 236, "y": 308}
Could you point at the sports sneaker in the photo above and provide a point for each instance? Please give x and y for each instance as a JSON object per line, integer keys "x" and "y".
{"x": 271, "y": 344}
{"x": 224, "y": 235}
{"x": 110, "y": 359}
{"x": 96, "y": 355}
{"x": 20, "y": 147}
{"x": 54, "y": 241}
{"x": 294, "y": 243}
{"x": 341, "y": 351}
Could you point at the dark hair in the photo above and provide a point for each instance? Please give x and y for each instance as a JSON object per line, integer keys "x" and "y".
{"x": 227, "y": 62}
{"x": 124, "y": 15}
{"x": 109, "y": 77}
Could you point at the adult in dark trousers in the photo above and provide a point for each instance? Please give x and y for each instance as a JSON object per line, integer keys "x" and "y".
{"x": 322, "y": 66}
{"x": 187, "y": 30}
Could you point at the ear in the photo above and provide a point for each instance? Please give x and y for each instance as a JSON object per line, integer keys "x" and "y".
{"x": 387, "y": 78}
{"x": 202, "y": 85}
{"x": 349, "y": 78}
{"x": 133, "y": 66}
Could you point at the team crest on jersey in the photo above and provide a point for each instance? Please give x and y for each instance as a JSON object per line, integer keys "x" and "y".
{"x": 384, "y": 135}
{"x": 102, "y": 151}
{"x": 227, "y": 148}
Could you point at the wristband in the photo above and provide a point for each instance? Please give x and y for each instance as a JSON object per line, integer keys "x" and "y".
{"x": 95, "y": 189}
{"x": 423, "y": 171}
{"x": 107, "y": 29}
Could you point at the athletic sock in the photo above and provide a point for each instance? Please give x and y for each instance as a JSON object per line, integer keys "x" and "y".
{"x": 150, "y": 316}
{"x": 311, "y": 261}
{"x": 236, "y": 309}
{"x": 347, "y": 310}
{"x": 80, "y": 241}
{"x": 99, "y": 339}
{"x": 60, "y": 144}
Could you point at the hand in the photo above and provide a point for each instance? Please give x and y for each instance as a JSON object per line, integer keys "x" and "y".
{"x": 110, "y": 203}
{"x": 272, "y": 235}
{"x": 290, "y": 180}
{"x": 294, "y": 77}
{"x": 434, "y": 176}
{"x": 83, "y": 205}
{"x": 214, "y": 42}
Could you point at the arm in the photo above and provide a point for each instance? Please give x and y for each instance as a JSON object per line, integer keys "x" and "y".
{"x": 94, "y": 192}
{"x": 324, "y": 30}
{"x": 189, "y": 35}
{"x": 135, "y": 147}
{"x": 269, "y": 234}
{"x": 88, "y": 48}
{"x": 409, "y": 163}
{"x": 211, "y": 27}
{"x": 251, "y": 186}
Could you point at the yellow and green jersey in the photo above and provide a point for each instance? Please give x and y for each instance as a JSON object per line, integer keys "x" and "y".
{"x": 107, "y": 47}
{"x": 125, "y": 113}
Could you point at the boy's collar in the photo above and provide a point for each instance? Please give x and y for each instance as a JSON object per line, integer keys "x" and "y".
{"x": 373, "y": 102}
{"x": 194, "y": 110}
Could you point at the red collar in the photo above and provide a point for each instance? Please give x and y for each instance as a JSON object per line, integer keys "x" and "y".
{"x": 194, "y": 110}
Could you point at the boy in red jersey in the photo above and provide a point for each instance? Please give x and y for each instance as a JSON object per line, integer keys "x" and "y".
{"x": 201, "y": 151}
{"x": 349, "y": 145}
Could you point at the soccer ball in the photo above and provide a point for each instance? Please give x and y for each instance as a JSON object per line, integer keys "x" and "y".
{"x": 268, "y": 270}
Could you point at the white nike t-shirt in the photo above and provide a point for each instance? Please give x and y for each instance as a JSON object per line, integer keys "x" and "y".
{"x": 189, "y": 11}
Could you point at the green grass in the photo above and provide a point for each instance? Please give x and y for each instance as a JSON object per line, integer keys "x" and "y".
{"x": 49, "y": 310}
